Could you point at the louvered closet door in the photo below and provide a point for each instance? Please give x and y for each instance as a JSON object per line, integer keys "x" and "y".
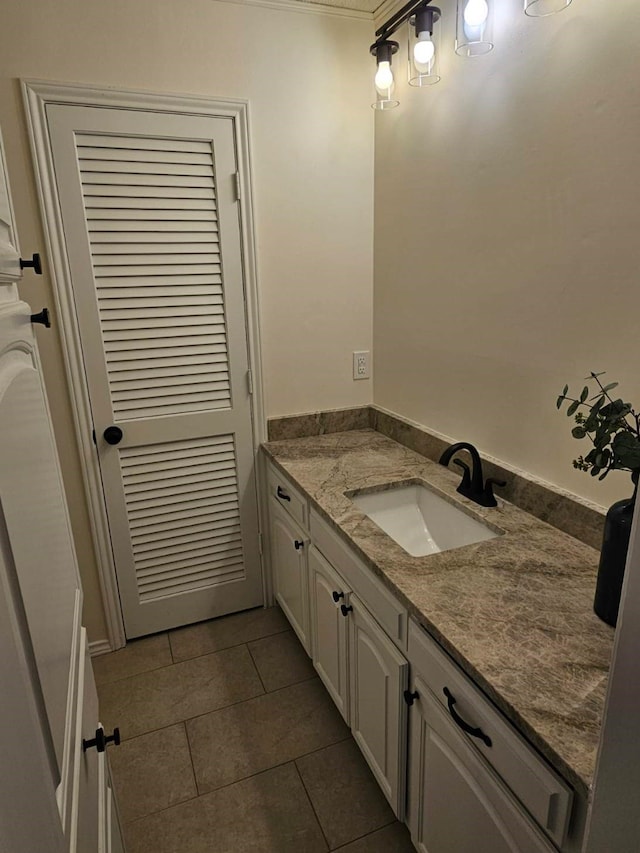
{"x": 153, "y": 237}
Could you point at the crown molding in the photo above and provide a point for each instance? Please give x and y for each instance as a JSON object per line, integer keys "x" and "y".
{"x": 386, "y": 10}
{"x": 306, "y": 8}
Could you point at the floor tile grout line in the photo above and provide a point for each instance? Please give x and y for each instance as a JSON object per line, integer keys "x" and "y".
{"x": 257, "y": 669}
{"x": 186, "y": 660}
{"x": 313, "y": 808}
{"x": 213, "y": 710}
{"x": 366, "y": 835}
{"x": 273, "y": 766}
{"x": 208, "y": 793}
{"x": 193, "y": 766}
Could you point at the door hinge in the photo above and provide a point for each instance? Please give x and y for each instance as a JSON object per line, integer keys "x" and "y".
{"x": 250, "y": 381}
{"x": 236, "y": 185}
{"x": 93, "y": 436}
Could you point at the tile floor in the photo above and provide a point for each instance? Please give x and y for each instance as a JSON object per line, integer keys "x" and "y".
{"x": 231, "y": 743}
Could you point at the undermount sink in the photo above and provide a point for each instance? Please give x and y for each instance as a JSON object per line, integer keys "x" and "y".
{"x": 420, "y": 521}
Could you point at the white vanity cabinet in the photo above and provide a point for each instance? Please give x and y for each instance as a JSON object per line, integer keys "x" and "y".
{"x": 289, "y": 543}
{"x": 475, "y": 784}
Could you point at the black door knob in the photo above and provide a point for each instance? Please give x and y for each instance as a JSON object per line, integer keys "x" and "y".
{"x": 101, "y": 740}
{"x": 337, "y": 595}
{"x": 42, "y": 317}
{"x": 112, "y": 435}
{"x": 298, "y": 544}
{"x": 345, "y": 610}
{"x": 34, "y": 262}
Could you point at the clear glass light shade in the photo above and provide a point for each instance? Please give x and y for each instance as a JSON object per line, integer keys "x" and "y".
{"x": 423, "y": 55}
{"x": 541, "y": 8}
{"x": 474, "y": 27}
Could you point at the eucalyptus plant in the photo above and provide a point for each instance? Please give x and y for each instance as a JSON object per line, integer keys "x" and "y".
{"x": 612, "y": 426}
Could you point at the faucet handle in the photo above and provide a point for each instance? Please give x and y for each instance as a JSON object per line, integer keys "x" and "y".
{"x": 488, "y": 498}
{"x": 466, "y": 475}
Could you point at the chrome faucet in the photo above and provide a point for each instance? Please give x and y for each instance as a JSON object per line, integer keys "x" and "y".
{"x": 472, "y": 485}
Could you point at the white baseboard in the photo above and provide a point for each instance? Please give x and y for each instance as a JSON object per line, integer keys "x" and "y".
{"x": 99, "y": 647}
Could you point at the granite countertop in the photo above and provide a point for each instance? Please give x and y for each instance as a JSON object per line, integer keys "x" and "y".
{"x": 515, "y": 612}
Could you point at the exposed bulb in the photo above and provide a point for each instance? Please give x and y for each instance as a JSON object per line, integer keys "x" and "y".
{"x": 476, "y": 13}
{"x": 384, "y": 78}
{"x": 423, "y": 52}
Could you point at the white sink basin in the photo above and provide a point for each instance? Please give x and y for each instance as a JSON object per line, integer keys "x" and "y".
{"x": 420, "y": 521}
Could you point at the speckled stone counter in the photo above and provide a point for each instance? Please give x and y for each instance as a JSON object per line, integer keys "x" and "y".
{"x": 515, "y": 612}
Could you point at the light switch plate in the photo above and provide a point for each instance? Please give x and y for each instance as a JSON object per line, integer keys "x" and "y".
{"x": 361, "y": 364}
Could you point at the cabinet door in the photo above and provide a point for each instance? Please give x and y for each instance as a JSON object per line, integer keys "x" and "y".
{"x": 457, "y": 804}
{"x": 378, "y": 675}
{"x": 329, "y": 629}
{"x": 289, "y": 562}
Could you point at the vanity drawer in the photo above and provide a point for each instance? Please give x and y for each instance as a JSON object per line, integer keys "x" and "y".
{"x": 287, "y": 496}
{"x": 544, "y": 794}
{"x": 390, "y": 614}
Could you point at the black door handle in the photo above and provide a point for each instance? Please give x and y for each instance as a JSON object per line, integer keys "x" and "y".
{"x": 282, "y": 494}
{"x": 42, "y": 317}
{"x": 112, "y": 435}
{"x": 470, "y": 730}
{"x": 101, "y": 740}
{"x": 34, "y": 262}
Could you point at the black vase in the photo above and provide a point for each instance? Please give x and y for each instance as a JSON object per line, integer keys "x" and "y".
{"x": 613, "y": 557}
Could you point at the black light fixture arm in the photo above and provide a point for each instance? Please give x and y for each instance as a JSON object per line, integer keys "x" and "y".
{"x": 397, "y": 20}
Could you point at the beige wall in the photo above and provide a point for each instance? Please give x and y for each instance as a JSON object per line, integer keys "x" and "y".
{"x": 306, "y": 78}
{"x": 507, "y": 236}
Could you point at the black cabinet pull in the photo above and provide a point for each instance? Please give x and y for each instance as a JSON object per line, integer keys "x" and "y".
{"x": 344, "y": 609}
{"x": 410, "y": 697}
{"x": 337, "y": 595}
{"x": 298, "y": 544}
{"x": 42, "y": 317}
{"x": 470, "y": 730}
{"x": 101, "y": 740}
{"x": 112, "y": 435}
{"x": 35, "y": 263}
{"x": 282, "y": 494}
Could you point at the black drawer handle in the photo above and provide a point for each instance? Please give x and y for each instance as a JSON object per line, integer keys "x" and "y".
{"x": 337, "y": 595}
{"x": 298, "y": 544}
{"x": 282, "y": 494}
{"x": 470, "y": 730}
{"x": 101, "y": 740}
{"x": 345, "y": 610}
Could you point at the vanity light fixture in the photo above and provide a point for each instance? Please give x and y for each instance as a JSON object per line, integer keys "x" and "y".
{"x": 474, "y": 37}
{"x": 423, "y": 47}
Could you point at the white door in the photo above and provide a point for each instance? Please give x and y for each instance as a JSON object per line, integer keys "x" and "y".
{"x": 152, "y": 232}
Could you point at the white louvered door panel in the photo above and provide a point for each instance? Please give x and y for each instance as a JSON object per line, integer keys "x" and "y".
{"x": 153, "y": 237}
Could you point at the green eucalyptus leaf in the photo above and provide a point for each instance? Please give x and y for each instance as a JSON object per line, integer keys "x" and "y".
{"x": 610, "y": 387}
{"x": 578, "y": 432}
{"x": 572, "y": 408}
{"x": 595, "y": 471}
{"x": 584, "y": 394}
{"x": 559, "y": 401}
{"x": 565, "y": 390}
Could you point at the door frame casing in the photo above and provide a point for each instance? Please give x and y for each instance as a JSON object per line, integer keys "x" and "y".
{"x": 37, "y": 95}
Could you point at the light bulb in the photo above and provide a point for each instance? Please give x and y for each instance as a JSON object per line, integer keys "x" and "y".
{"x": 423, "y": 52}
{"x": 384, "y": 78}
{"x": 476, "y": 13}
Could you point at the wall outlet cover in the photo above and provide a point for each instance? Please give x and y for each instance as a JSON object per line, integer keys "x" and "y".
{"x": 362, "y": 364}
